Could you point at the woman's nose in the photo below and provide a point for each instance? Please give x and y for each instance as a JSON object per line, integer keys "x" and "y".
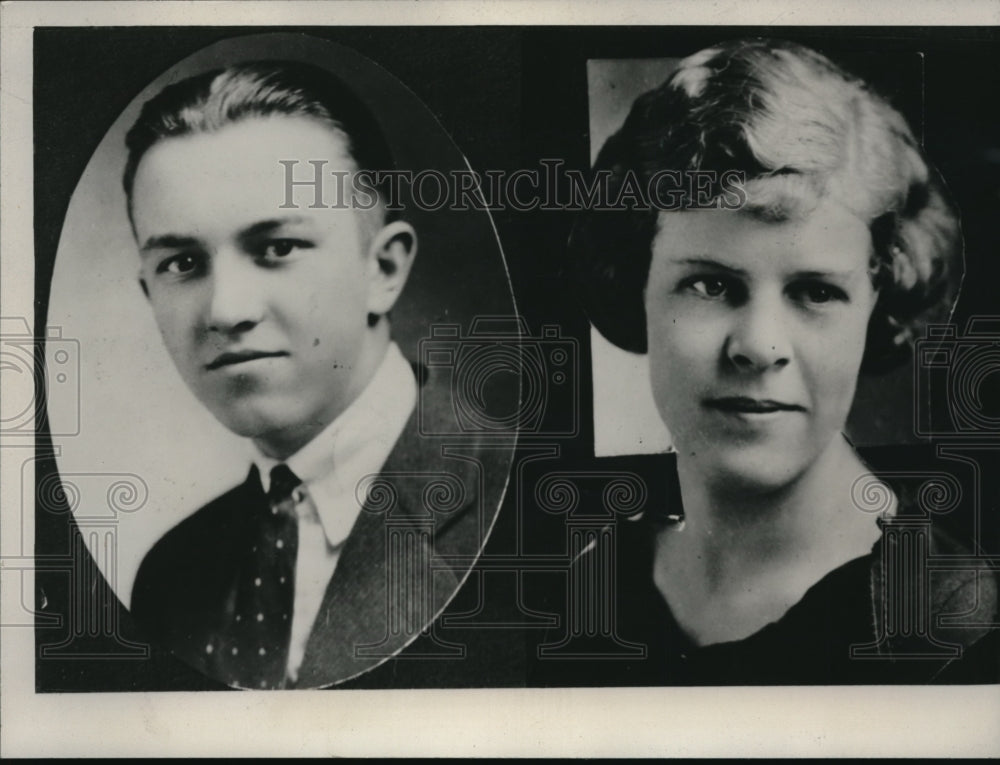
{"x": 759, "y": 338}
{"x": 237, "y": 298}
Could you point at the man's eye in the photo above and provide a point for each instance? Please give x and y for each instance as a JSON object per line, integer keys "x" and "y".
{"x": 178, "y": 265}
{"x": 709, "y": 287}
{"x": 276, "y": 249}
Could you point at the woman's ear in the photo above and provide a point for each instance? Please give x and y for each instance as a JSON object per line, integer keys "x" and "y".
{"x": 390, "y": 257}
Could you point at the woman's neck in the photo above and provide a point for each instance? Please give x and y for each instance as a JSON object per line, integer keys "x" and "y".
{"x": 754, "y": 523}
{"x": 743, "y": 557}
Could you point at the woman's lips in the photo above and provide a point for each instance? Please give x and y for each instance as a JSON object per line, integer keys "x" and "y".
{"x": 747, "y": 405}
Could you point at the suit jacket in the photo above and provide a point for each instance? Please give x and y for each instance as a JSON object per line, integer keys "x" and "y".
{"x": 411, "y": 547}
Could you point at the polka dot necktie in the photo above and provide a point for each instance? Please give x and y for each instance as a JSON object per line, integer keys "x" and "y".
{"x": 258, "y": 653}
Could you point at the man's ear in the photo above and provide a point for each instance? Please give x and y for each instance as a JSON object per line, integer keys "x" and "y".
{"x": 390, "y": 255}
{"x": 145, "y": 289}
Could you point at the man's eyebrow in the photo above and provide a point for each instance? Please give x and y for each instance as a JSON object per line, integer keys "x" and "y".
{"x": 267, "y": 226}
{"x": 169, "y": 241}
{"x": 178, "y": 241}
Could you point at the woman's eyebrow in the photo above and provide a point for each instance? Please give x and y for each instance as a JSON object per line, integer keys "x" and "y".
{"x": 808, "y": 273}
{"x": 706, "y": 262}
{"x": 826, "y": 273}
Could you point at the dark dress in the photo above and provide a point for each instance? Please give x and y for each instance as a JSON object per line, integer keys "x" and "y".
{"x": 895, "y": 615}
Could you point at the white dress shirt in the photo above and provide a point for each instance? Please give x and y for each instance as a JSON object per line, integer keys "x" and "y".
{"x": 331, "y": 468}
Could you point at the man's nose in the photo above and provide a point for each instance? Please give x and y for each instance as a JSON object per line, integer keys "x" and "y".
{"x": 237, "y": 299}
{"x": 759, "y": 338}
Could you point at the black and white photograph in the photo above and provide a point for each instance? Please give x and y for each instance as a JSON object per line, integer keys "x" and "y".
{"x": 209, "y": 560}
{"x": 792, "y": 548}
{"x": 524, "y": 381}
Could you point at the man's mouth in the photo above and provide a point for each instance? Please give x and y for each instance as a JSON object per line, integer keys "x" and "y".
{"x": 231, "y": 358}
{"x": 746, "y": 405}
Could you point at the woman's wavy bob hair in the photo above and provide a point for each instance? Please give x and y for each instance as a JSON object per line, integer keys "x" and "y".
{"x": 796, "y": 129}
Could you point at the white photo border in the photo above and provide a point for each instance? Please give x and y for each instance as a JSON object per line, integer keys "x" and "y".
{"x": 855, "y": 721}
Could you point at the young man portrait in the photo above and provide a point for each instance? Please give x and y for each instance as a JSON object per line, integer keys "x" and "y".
{"x": 273, "y": 297}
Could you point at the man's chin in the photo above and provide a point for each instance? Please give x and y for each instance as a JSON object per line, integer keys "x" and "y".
{"x": 251, "y": 422}
{"x": 278, "y": 434}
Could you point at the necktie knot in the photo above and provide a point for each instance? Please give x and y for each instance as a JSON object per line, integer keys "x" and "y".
{"x": 283, "y": 482}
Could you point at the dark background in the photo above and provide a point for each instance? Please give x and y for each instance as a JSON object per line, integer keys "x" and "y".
{"x": 509, "y": 97}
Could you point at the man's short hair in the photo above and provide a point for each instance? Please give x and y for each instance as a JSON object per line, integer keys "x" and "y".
{"x": 208, "y": 102}
{"x": 799, "y": 129}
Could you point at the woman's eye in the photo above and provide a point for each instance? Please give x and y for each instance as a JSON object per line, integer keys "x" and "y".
{"x": 819, "y": 293}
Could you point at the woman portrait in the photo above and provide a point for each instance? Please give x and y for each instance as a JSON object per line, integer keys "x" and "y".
{"x": 814, "y": 245}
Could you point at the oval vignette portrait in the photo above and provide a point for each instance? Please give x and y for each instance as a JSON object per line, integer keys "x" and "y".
{"x": 269, "y": 467}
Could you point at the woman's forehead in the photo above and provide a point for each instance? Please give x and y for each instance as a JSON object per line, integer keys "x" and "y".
{"x": 823, "y": 236}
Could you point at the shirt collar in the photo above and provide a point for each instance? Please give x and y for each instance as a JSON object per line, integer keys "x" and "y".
{"x": 355, "y": 445}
